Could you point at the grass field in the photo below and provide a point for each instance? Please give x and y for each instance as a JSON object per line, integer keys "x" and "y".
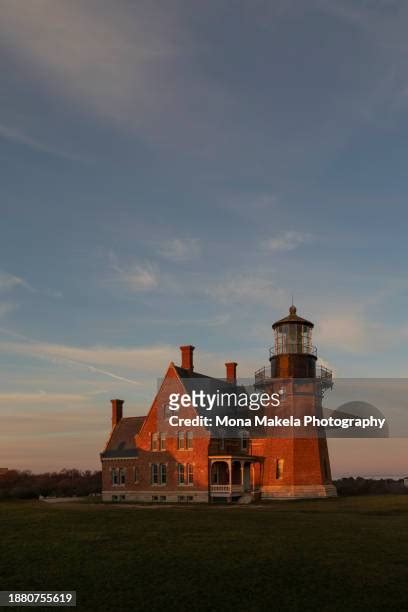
{"x": 335, "y": 554}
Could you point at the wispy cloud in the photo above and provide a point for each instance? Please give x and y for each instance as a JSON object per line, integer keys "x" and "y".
{"x": 246, "y": 289}
{"x": 98, "y": 359}
{"x": 123, "y": 66}
{"x": 180, "y": 249}
{"x": 75, "y": 356}
{"x": 135, "y": 277}
{"x": 95, "y": 54}
{"x": 10, "y": 281}
{"x": 8, "y": 284}
{"x": 353, "y": 333}
{"x": 287, "y": 241}
{"x": 17, "y": 135}
{"x": 40, "y": 397}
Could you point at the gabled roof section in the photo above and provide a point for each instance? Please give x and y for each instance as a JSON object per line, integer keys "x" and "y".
{"x": 121, "y": 442}
{"x": 187, "y": 374}
{"x": 200, "y": 382}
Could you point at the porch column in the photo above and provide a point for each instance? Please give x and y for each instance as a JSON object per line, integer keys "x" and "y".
{"x": 242, "y": 473}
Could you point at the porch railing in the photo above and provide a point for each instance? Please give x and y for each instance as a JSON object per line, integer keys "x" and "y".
{"x": 226, "y": 488}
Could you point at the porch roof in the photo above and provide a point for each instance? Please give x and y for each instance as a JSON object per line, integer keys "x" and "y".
{"x": 249, "y": 458}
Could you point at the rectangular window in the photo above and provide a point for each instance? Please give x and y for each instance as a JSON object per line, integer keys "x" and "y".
{"x": 162, "y": 498}
{"x": 114, "y": 498}
{"x": 163, "y": 473}
{"x": 154, "y": 473}
{"x": 115, "y": 476}
{"x": 279, "y": 468}
{"x": 122, "y": 497}
{"x": 180, "y": 440}
{"x": 162, "y": 441}
{"x": 190, "y": 498}
{"x": 155, "y": 441}
{"x": 180, "y": 498}
{"x": 189, "y": 440}
{"x": 136, "y": 474}
{"x": 244, "y": 441}
{"x": 190, "y": 473}
{"x": 122, "y": 476}
{"x": 180, "y": 474}
{"x": 155, "y": 498}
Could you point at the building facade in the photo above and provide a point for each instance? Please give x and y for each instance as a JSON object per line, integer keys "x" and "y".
{"x": 146, "y": 460}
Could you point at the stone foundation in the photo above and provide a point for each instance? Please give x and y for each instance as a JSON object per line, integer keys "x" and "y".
{"x": 298, "y": 491}
{"x": 155, "y": 496}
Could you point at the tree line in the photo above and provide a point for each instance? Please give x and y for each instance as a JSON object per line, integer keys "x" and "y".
{"x": 370, "y": 486}
{"x": 16, "y": 484}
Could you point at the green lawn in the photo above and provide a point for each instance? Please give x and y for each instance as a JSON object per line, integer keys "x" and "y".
{"x": 336, "y": 554}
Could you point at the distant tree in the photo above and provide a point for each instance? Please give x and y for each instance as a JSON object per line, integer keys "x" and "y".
{"x": 25, "y": 485}
{"x": 370, "y": 486}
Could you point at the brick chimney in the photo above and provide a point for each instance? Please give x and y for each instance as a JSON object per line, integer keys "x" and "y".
{"x": 187, "y": 357}
{"x": 117, "y": 411}
{"x": 231, "y": 371}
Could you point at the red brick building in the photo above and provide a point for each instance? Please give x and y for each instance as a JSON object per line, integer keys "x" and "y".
{"x": 146, "y": 459}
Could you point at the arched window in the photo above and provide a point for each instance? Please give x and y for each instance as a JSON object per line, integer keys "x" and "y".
{"x": 279, "y": 468}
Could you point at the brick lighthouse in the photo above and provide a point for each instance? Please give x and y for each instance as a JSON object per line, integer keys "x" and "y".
{"x": 296, "y": 465}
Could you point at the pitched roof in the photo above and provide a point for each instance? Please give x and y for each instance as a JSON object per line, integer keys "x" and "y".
{"x": 208, "y": 384}
{"x": 121, "y": 442}
{"x": 183, "y": 373}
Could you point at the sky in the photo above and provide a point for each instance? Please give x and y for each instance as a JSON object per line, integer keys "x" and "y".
{"x": 173, "y": 173}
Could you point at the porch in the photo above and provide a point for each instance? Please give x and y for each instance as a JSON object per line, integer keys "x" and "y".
{"x": 231, "y": 477}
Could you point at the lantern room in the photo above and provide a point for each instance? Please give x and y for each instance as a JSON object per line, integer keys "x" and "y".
{"x": 293, "y": 354}
{"x": 293, "y": 335}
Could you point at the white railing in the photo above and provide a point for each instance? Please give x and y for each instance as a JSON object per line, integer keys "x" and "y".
{"x": 226, "y": 488}
{"x": 221, "y": 488}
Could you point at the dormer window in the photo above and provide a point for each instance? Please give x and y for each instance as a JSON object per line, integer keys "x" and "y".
{"x": 181, "y": 440}
{"x": 155, "y": 441}
{"x": 162, "y": 441}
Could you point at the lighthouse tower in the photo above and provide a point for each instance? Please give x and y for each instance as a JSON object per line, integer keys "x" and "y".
{"x": 296, "y": 463}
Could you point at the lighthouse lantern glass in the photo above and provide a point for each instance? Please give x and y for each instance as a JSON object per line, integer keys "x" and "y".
{"x": 293, "y": 338}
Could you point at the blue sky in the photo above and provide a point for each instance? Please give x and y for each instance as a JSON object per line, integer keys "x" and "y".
{"x": 173, "y": 172}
